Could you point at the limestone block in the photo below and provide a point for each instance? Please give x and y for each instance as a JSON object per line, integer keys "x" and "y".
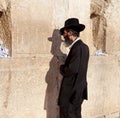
{"x": 113, "y": 32}
{"x": 31, "y": 27}
{"x": 33, "y": 24}
{"x": 99, "y": 23}
{"x": 29, "y": 87}
{"x": 103, "y": 86}
{"x": 113, "y": 115}
{"x": 22, "y": 88}
{"x": 3, "y": 5}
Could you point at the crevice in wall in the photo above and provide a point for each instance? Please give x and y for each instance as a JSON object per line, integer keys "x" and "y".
{"x": 5, "y": 26}
{"x": 99, "y": 23}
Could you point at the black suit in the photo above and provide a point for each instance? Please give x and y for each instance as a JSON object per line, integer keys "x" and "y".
{"x": 74, "y": 84}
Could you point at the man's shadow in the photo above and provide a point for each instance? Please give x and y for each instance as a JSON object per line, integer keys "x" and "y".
{"x": 53, "y": 77}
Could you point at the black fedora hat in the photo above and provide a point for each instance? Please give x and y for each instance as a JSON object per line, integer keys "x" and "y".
{"x": 72, "y": 23}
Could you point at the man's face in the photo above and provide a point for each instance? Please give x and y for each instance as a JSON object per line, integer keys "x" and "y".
{"x": 67, "y": 38}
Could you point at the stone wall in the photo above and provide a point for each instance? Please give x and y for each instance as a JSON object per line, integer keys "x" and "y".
{"x": 113, "y": 34}
{"x": 5, "y": 24}
{"x": 30, "y": 80}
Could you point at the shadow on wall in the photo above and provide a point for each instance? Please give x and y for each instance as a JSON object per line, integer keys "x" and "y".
{"x": 53, "y": 76}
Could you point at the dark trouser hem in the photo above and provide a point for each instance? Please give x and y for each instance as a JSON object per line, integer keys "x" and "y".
{"x": 72, "y": 111}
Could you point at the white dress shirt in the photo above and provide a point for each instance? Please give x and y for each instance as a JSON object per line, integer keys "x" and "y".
{"x": 74, "y": 42}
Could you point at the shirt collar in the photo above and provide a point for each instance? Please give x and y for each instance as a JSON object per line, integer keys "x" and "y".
{"x": 74, "y": 42}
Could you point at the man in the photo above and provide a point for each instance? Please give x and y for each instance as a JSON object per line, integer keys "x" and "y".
{"x": 74, "y": 84}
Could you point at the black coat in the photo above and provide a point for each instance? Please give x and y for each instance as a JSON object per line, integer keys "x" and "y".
{"x": 74, "y": 84}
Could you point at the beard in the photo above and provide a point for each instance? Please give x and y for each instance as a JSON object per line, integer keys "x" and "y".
{"x": 67, "y": 41}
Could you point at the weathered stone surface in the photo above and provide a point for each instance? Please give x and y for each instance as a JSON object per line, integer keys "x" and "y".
{"x": 113, "y": 32}
{"x": 3, "y": 4}
{"x": 99, "y": 23}
{"x": 24, "y": 93}
{"x": 113, "y": 115}
{"x": 23, "y": 89}
{"x": 104, "y": 87}
{"x": 30, "y": 78}
{"x": 104, "y": 16}
{"x": 31, "y": 27}
{"x": 5, "y": 24}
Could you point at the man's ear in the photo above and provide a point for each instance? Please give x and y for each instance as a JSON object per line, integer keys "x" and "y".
{"x": 70, "y": 33}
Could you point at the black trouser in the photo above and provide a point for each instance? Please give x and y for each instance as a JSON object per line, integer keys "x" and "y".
{"x": 71, "y": 111}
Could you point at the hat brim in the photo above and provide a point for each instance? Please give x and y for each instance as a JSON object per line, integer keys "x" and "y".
{"x": 77, "y": 28}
